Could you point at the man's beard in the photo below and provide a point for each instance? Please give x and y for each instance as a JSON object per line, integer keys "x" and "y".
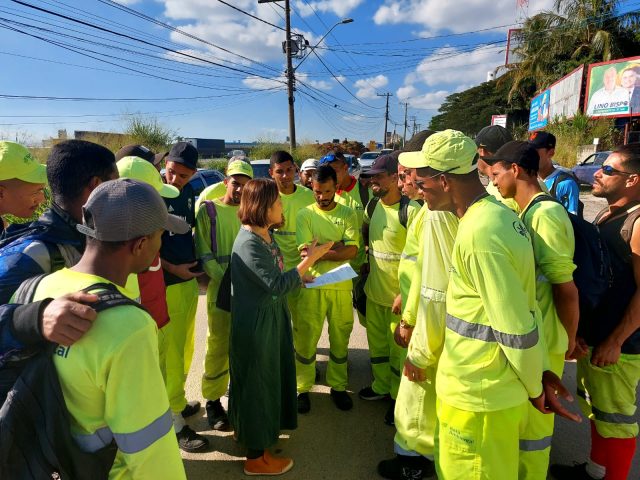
{"x": 380, "y": 193}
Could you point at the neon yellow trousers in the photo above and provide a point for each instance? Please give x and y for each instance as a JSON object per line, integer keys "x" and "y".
{"x": 478, "y": 445}
{"x": 177, "y": 341}
{"x": 607, "y": 395}
{"x": 215, "y": 378}
{"x": 313, "y": 306}
{"x": 415, "y": 417}
{"x": 387, "y": 357}
{"x": 535, "y": 441}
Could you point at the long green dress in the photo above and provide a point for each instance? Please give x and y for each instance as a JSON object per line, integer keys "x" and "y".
{"x": 262, "y": 398}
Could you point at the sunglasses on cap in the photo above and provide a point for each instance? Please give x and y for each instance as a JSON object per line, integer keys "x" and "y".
{"x": 609, "y": 170}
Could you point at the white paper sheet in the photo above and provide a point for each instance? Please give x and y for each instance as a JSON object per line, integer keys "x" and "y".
{"x": 338, "y": 274}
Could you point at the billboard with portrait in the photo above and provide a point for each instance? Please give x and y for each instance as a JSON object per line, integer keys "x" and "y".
{"x": 539, "y": 112}
{"x": 613, "y": 88}
{"x": 564, "y": 99}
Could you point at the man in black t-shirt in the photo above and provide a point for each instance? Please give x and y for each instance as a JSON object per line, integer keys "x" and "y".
{"x": 180, "y": 272}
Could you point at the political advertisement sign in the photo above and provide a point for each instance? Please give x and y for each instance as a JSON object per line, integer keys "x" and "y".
{"x": 613, "y": 88}
{"x": 539, "y": 111}
{"x": 564, "y": 98}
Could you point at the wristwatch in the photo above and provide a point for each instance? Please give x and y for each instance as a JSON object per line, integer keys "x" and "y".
{"x": 405, "y": 325}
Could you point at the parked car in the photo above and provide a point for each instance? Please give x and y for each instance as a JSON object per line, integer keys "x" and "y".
{"x": 238, "y": 153}
{"x": 354, "y": 165}
{"x": 367, "y": 158}
{"x": 260, "y": 168}
{"x": 386, "y": 151}
{"x": 584, "y": 170}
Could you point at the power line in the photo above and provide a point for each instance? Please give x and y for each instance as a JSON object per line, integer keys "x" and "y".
{"x": 251, "y": 15}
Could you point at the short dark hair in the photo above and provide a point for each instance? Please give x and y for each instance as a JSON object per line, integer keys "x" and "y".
{"x": 257, "y": 197}
{"x": 532, "y": 172}
{"x": 280, "y": 156}
{"x": 323, "y": 174}
{"x": 73, "y": 163}
{"x": 415, "y": 143}
{"x": 630, "y": 156}
{"x": 107, "y": 247}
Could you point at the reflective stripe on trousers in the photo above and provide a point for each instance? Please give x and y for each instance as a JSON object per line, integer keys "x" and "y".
{"x": 130, "y": 443}
{"x": 485, "y": 333}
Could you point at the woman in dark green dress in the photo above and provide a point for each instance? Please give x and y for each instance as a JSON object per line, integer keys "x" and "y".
{"x": 261, "y": 359}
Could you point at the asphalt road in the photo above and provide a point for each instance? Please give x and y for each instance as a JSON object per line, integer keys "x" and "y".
{"x": 333, "y": 445}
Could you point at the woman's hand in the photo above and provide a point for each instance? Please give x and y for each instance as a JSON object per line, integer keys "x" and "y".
{"x": 315, "y": 251}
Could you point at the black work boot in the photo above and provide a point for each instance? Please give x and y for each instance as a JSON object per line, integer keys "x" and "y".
{"x": 216, "y": 416}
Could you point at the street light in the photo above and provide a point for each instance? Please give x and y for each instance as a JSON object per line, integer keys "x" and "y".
{"x": 344, "y": 21}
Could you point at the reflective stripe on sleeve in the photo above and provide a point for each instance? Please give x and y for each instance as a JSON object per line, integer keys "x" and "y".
{"x": 411, "y": 258}
{"x": 127, "y": 442}
{"x": 207, "y": 257}
{"x": 283, "y": 232}
{"x": 392, "y": 257}
{"x": 487, "y": 334}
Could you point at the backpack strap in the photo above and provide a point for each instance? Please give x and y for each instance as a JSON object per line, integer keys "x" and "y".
{"x": 403, "y": 210}
{"x": 371, "y": 207}
{"x": 627, "y": 226}
{"x": 55, "y": 257}
{"x": 109, "y": 297}
{"x": 561, "y": 176}
{"x": 364, "y": 194}
{"x": 27, "y": 289}
{"x": 538, "y": 199}
{"x": 211, "y": 211}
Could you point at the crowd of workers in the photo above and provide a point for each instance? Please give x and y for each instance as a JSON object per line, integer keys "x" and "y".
{"x": 466, "y": 293}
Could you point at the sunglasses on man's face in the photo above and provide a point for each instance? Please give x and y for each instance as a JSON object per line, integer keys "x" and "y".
{"x": 609, "y": 170}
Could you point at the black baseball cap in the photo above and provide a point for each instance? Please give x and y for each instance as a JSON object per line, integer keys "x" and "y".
{"x": 184, "y": 153}
{"x": 493, "y": 137}
{"x": 542, "y": 140}
{"x": 520, "y": 153}
{"x": 383, "y": 164}
{"x": 139, "y": 151}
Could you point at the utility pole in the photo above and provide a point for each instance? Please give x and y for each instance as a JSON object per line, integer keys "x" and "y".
{"x": 404, "y": 136}
{"x": 290, "y": 78}
{"x": 386, "y": 116}
{"x": 413, "y": 119}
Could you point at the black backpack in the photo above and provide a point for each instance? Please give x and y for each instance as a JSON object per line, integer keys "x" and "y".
{"x": 593, "y": 274}
{"x": 561, "y": 176}
{"x": 35, "y": 434}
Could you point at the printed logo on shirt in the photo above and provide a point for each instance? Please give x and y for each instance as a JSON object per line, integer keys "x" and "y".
{"x": 62, "y": 351}
{"x": 521, "y": 229}
{"x": 170, "y": 209}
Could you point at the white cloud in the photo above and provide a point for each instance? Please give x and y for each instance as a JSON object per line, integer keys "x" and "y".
{"x": 319, "y": 84}
{"x": 339, "y": 7}
{"x": 221, "y": 25}
{"x": 428, "y": 101}
{"x": 367, "y": 87}
{"x": 259, "y": 83}
{"x": 454, "y": 16}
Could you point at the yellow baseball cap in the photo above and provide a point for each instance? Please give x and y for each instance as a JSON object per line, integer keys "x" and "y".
{"x": 446, "y": 151}
{"x": 17, "y": 162}
{"x": 239, "y": 167}
{"x": 137, "y": 168}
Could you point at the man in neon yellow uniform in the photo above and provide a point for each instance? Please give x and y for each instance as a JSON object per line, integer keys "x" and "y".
{"x": 294, "y": 198}
{"x": 215, "y": 259}
{"x": 325, "y": 221}
{"x": 181, "y": 269}
{"x": 114, "y": 366}
{"x": 218, "y": 190}
{"x": 386, "y": 239}
{"x": 492, "y": 360}
{"x": 514, "y": 169}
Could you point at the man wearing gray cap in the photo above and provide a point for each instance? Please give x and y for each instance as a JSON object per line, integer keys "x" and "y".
{"x": 111, "y": 378}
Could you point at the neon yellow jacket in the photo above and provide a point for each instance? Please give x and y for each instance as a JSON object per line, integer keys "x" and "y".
{"x": 492, "y": 357}
{"x": 286, "y": 235}
{"x": 113, "y": 387}
{"x": 409, "y": 258}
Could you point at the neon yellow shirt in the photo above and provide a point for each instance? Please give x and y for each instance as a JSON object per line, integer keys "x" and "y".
{"x": 227, "y": 228}
{"x": 493, "y": 355}
{"x": 352, "y": 200}
{"x": 409, "y": 257}
{"x": 286, "y": 236}
{"x": 337, "y": 225}
{"x": 386, "y": 243}
{"x": 553, "y": 247}
{"x": 217, "y": 190}
{"x": 113, "y": 387}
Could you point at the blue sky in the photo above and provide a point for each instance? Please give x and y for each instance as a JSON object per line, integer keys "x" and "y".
{"x": 225, "y": 78}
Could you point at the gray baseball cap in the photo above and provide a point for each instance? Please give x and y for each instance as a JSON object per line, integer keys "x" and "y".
{"x": 124, "y": 209}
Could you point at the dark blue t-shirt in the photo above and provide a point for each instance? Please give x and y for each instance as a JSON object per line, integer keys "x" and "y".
{"x": 179, "y": 249}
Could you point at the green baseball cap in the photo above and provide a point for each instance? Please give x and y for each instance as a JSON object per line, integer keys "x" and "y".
{"x": 137, "y": 168}
{"x": 446, "y": 151}
{"x": 239, "y": 167}
{"x": 17, "y": 162}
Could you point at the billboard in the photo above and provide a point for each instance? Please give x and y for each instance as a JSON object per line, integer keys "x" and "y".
{"x": 499, "y": 120}
{"x": 613, "y": 88}
{"x": 539, "y": 112}
{"x": 514, "y": 40}
{"x": 564, "y": 100}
